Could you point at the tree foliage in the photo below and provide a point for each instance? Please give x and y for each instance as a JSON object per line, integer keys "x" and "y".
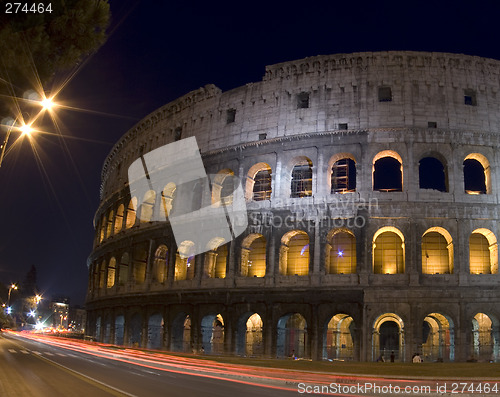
{"x": 35, "y": 46}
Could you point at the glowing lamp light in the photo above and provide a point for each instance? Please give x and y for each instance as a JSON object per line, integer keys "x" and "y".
{"x": 26, "y": 129}
{"x": 9, "y": 310}
{"x": 340, "y": 253}
{"x": 39, "y": 326}
{"x": 31, "y": 313}
{"x": 47, "y": 103}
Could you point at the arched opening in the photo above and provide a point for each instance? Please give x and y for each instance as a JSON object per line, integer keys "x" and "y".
{"x": 132, "y": 205}
{"x": 135, "y": 330}
{"x": 111, "y": 272}
{"x": 477, "y": 178}
{"x": 181, "y": 334}
{"x": 97, "y": 335}
{"x": 437, "y": 251}
{"x": 387, "y": 172}
{"x": 140, "y": 259}
{"x": 107, "y": 329}
{"x": 160, "y": 264}
{"x": 218, "y": 270}
{"x": 249, "y": 335}
{"x": 340, "y": 255}
{"x": 294, "y": 253}
{"x": 432, "y": 174}
{"x": 343, "y": 176}
{"x": 388, "y": 251}
{"x": 102, "y": 234}
{"x": 119, "y": 329}
{"x": 155, "y": 331}
{"x": 167, "y": 200}
{"x": 212, "y": 333}
{"x": 253, "y": 256}
{"x": 438, "y": 338}
{"x": 119, "y": 218}
{"x": 148, "y": 205}
{"x": 223, "y": 185}
{"x": 123, "y": 270}
{"x": 485, "y": 338}
{"x": 483, "y": 252}
{"x": 292, "y": 336}
{"x": 109, "y": 230}
{"x": 388, "y": 337}
{"x": 258, "y": 186}
{"x": 102, "y": 274}
{"x": 301, "y": 183}
{"x": 338, "y": 338}
{"x": 184, "y": 261}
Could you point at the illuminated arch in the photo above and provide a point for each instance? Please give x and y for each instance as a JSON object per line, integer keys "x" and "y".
{"x": 388, "y": 335}
{"x": 184, "y": 261}
{"x": 223, "y": 187}
{"x": 342, "y": 173}
{"x": 148, "y": 205}
{"x": 253, "y": 256}
{"x": 301, "y": 177}
{"x": 212, "y": 331}
{"x": 119, "y": 218}
{"x": 167, "y": 200}
{"x": 160, "y": 264}
{"x": 483, "y": 252}
{"x": 216, "y": 258}
{"x": 340, "y": 253}
{"x": 294, "y": 253}
{"x": 437, "y": 251}
{"x": 338, "y": 338}
{"x": 438, "y": 338}
{"x": 477, "y": 181}
{"x": 388, "y": 251}
{"x": 139, "y": 263}
{"x": 131, "y": 213}
{"x": 109, "y": 229}
{"x": 111, "y": 273}
{"x": 485, "y": 338}
{"x": 390, "y": 179}
{"x": 258, "y": 184}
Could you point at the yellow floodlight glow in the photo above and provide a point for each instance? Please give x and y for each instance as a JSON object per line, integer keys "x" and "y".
{"x": 47, "y": 103}
{"x": 26, "y": 129}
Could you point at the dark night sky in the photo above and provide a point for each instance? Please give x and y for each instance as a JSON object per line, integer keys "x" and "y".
{"x": 160, "y": 50}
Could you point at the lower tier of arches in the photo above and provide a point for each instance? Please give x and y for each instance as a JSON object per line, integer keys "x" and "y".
{"x": 343, "y": 325}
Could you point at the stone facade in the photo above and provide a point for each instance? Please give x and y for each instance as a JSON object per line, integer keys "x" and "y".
{"x": 348, "y": 265}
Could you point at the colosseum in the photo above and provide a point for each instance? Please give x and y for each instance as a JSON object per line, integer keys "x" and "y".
{"x": 371, "y": 183}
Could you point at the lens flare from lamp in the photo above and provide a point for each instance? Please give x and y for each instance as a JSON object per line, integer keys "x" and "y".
{"x": 26, "y": 129}
{"x": 340, "y": 253}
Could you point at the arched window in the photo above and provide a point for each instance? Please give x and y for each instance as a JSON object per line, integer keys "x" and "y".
{"x": 388, "y": 172}
{"x": 160, "y": 264}
{"x": 343, "y": 177}
{"x": 132, "y": 205}
{"x": 253, "y": 256}
{"x": 477, "y": 178}
{"x": 220, "y": 262}
{"x": 259, "y": 180}
{"x": 223, "y": 186}
{"x": 148, "y": 205}
{"x": 123, "y": 270}
{"x": 432, "y": 174}
{"x": 483, "y": 252}
{"x": 102, "y": 274}
{"x": 111, "y": 272}
{"x": 301, "y": 183}
{"x": 388, "y": 251}
{"x": 294, "y": 253}
{"x": 167, "y": 200}
{"x": 109, "y": 230}
{"x": 140, "y": 258}
{"x": 340, "y": 252}
{"x": 119, "y": 218}
{"x": 185, "y": 261}
{"x": 437, "y": 252}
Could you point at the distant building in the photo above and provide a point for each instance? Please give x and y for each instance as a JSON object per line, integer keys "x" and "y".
{"x": 60, "y": 313}
{"x": 77, "y": 318}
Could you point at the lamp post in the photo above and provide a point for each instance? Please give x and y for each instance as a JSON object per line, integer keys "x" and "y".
{"x": 12, "y": 286}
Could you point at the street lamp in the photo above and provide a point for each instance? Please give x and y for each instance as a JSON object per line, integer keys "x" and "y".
{"x": 12, "y": 286}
